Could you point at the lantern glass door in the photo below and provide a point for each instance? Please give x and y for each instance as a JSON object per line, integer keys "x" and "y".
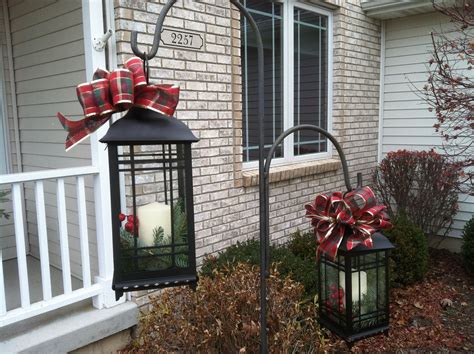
{"x": 156, "y": 223}
{"x": 354, "y": 293}
{"x": 369, "y": 298}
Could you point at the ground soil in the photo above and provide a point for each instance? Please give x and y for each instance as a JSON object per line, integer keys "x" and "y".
{"x": 434, "y": 315}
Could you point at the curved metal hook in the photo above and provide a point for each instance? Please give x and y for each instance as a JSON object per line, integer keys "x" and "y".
{"x": 156, "y": 40}
{"x": 319, "y": 130}
{"x": 263, "y": 195}
{"x": 264, "y": 236}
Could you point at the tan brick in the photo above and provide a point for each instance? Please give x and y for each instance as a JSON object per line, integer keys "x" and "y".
{"x": 226, "y": 195}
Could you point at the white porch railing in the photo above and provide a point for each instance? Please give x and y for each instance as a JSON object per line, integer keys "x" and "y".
{"x": 99, "y": 290}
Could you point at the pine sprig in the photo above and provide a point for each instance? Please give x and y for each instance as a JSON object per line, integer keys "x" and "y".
{"x": 161, "y": 240}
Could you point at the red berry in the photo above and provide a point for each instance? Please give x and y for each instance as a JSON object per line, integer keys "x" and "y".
{"x": 129, "y": 227}
{"x": 130, "y": 218}
{"x": 122, "y": 217}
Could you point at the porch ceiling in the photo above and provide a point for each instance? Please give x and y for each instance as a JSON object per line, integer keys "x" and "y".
{"x": 387, "y": 9}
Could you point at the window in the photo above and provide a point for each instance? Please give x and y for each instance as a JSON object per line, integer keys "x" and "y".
{"x": 297, "y": 47}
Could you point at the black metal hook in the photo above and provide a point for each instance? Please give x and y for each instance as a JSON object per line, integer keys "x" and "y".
{"x": 264, "y": 236}
{"x": 265, "y": 213}
{"x": 156, "y": 41}
{"x": 333, "y": 140}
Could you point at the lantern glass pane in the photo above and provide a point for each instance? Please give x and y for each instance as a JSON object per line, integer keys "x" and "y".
{"x": 332, "y": 293}
{"x": 154, "y": 234}
{"x": 368, "y": 282}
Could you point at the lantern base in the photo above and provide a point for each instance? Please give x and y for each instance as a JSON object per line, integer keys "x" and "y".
{"x": 351, "y": 338}
{"x": 121, "y": 287}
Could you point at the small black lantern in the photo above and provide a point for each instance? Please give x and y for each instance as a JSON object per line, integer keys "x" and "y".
{"x": 154, "y": 246}
{"x": 354, "y": 290}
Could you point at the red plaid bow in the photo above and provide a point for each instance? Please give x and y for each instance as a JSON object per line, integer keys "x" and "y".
{"x": 332, "y": 213}
{"x": 115, "y": 92}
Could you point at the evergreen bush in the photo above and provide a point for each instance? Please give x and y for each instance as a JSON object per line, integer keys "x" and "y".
{"x": 410, "y": 256}
{"x": 303, "y": 244}
{"x": 467, "y": 248}
{"x": 295, "y": 259}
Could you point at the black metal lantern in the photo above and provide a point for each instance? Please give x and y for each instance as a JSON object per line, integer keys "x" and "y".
{"x": 354, "y": 290}
{"x": 154, "y": 244}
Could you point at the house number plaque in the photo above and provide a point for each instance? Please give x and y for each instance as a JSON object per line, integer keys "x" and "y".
{"x": 181, "y": 39}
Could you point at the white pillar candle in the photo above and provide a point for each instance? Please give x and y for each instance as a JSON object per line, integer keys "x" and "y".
{"x": 150, "y": 217}
{"x": 355, "y": 285}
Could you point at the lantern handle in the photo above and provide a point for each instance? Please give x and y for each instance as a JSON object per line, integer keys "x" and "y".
{"x": 333, "y": 140}
{"x": 156, "y": 41}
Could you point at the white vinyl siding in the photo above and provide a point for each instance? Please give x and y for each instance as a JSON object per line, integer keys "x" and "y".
{"x": 407, "y": 123}
{"x": 49, "y": 61}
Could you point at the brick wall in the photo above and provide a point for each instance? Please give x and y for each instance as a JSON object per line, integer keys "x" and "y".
{"x": 225, "y": 210}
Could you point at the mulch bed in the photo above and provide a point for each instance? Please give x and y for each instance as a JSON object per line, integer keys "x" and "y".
{"x": 435, "y": 315}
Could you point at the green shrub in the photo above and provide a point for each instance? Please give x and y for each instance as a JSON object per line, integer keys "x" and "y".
{"x": 303, "y": 271}
{"x": 242, "y": 252}
{"x": 295, "y": 259}
{"x": 410, "y": 256}
{"x": 303, "y": 244}
{"x": 222, "y": 316}
{"x": 467, "y": 248}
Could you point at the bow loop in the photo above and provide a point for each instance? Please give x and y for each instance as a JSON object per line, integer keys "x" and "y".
{"x": 113, "y": 92}
{"x": 357, "y": 211}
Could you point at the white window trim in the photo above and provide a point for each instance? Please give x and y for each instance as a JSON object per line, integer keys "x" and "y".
{"x": 288, "y": 84}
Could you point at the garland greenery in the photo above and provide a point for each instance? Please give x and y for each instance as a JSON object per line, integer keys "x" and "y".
{"x": 160, "y": 243}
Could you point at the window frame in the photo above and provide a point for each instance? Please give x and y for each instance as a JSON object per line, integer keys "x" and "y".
{"x": 289, "y": 158}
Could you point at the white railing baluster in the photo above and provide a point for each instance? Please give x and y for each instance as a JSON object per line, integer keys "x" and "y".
{"x": 84, "y": 236}
{"x": 20, "y": 245}
{"x": 63, "y": 236}
{"x": 97, "y": 289}
{"x": 3, "y": 301}
{"x": 43, "y": 240}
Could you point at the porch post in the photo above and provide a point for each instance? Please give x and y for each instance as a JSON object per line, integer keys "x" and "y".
{"x": 92, "y": 16}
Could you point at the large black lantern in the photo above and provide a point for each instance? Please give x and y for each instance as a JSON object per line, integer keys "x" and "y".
{"x": 354, "y": 290}
{"x": 153, "y": 237}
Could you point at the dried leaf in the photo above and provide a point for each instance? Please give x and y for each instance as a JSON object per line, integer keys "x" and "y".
{"x": 446, "y": 303}
{"x": 418, "y": 305}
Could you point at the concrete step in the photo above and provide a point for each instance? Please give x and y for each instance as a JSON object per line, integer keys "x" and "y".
{"x": 67, "y": 329}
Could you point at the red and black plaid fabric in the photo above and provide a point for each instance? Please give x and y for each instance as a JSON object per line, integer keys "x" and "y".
{"x": 116, "y": 92}
{"x": 331, "y": 214}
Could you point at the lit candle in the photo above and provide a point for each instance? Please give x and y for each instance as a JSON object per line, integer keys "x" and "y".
{"x": 355, "y": 284}
{"x": 150, "y": 217}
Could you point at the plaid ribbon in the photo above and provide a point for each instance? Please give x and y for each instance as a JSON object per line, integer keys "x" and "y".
{"x": 331, "y": 214}
{"x": 118, "y": 91}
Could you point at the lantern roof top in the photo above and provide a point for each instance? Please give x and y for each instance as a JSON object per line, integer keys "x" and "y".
{"x": 380, "y": 242}
{"x": 144, "y": 126}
